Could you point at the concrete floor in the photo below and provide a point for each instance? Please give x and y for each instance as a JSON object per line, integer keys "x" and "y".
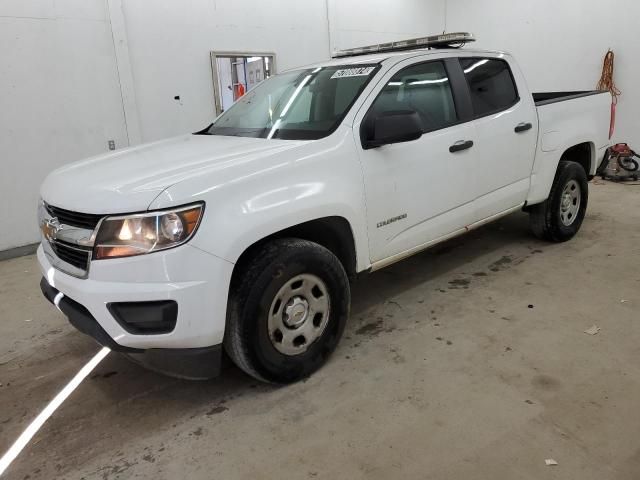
{"x": 467, "y": 361}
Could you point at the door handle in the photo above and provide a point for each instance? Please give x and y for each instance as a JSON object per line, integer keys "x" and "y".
{"x": 461, "y": 145}
{"x": 522, "y": 127}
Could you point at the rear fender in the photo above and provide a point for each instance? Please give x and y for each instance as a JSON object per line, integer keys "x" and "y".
{"x": 547, "y": 160}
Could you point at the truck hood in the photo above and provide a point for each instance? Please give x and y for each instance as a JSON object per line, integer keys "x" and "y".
{"x": 130, "y": 179}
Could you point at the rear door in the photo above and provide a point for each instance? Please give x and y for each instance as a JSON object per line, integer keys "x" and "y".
{"x": 421, "y": 190}
{"x": 506, "y": 124}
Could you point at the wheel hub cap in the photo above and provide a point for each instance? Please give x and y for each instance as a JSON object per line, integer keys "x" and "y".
{"x": 296, "y": 312}
{"x": 299, "y": 314}
{"x": 570, "y": 202}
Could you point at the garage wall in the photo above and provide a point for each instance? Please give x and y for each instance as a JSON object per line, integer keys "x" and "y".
{"x": 60, "y": 99}
{"x": 63, "y": 97}
{"x": 354, "y": 23}
{"x": 169, "y": 45}
{"x": 62, "y": 94}
{"x": 560, "y": 45}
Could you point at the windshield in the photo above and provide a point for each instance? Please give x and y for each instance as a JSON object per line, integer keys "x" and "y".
{"x": 299, "y": 105}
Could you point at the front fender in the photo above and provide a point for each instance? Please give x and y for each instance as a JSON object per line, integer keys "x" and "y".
{"x": 321, "y": 178}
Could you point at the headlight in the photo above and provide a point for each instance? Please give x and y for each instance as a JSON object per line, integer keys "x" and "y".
{"x": 137, "y": 234}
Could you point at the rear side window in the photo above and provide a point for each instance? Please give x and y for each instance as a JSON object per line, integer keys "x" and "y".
{"x": 424, "y": 88}
{"x": 491, "y": 84}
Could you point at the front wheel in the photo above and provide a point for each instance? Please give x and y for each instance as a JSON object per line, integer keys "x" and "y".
{"x": 288, "y": 306}
{"x": 559, "y": 217}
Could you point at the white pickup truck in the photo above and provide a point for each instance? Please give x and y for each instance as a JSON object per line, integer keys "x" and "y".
{"x": 243, "y": 237}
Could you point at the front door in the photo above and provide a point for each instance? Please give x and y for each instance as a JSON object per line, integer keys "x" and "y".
{"x": 421, "y": 190}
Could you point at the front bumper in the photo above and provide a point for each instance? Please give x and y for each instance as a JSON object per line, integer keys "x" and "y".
{"x": 193, "y": 363}
{"x": 81, "y": 318}
{"x": 197, "y": 281}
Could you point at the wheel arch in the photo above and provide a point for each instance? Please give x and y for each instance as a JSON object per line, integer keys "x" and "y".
{"x": 583, "y": 154}
{"x": 579, "y": 150}
{"x": 334, "y": 233}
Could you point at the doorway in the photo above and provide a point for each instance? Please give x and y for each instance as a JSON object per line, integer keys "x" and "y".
{"x": 235, "y": 73}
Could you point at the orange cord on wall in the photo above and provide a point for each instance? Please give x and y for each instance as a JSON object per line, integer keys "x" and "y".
{"x": 606, "y": 82}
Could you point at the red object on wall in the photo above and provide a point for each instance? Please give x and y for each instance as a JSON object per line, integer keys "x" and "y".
{"x": 238, "y": 91}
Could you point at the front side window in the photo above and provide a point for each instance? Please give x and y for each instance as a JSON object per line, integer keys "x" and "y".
{"x": 490, "y": 83}
{"x": 299, "y": 105}
{"x": 423, "y": 88}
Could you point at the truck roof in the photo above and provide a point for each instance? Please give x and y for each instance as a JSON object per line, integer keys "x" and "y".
{"x": 380, "y": 57}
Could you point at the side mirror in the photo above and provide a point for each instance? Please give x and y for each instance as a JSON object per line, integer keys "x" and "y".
{"x": 392, "y": 127}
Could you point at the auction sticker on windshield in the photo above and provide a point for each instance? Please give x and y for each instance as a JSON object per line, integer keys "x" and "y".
{"x": 353, "y": 72}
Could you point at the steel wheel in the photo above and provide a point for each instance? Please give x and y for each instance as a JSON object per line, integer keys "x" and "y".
{"x": 299, "y": 314}
{"x": 570, "y": 202}
{"x": 560, "y": 216}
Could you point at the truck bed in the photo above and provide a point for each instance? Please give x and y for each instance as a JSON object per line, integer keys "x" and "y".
{"x": 545, "y": 98}
{"x": 567, "y": 119}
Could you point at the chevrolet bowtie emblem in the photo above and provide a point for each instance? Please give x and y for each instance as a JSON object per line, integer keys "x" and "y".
{"x": 50, "y": 228}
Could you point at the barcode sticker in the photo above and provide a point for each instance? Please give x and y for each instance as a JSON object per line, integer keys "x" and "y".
{"x": 353, "y": 72}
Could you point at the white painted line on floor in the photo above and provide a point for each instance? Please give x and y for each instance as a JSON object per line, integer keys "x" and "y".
{"x": 35, "y": 425}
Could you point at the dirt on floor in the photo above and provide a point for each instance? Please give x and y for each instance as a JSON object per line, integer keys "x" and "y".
{"x": 466, "y": 361}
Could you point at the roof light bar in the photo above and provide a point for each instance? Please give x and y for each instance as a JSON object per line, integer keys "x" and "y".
{"x": 452, "y": 40}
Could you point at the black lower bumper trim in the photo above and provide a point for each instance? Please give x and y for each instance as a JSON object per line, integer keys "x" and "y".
{"x": 191, "y": 363}
{"x": 82, "y": 319}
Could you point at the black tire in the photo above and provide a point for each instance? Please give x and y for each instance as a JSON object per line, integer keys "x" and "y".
{"x": 248, "y": 340}
{"x": 545, "y": 218}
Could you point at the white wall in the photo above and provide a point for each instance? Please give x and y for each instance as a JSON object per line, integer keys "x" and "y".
{"x": 59, "y": 99}
{"x": 560, "y": 45}
{"x": 62, "y": 96}
{"x": 354, "y": 23}
{"x": 170, "y": 42}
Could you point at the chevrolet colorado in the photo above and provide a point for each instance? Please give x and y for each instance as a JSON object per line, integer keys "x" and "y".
{"x": 244, "y": 236}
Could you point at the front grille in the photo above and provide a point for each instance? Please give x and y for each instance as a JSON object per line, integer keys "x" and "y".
{"x": 72, "y": 255}
{"x": 74, "y": 219}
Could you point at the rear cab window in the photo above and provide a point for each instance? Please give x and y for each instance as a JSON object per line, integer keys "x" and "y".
{"x": 491, "y": 85}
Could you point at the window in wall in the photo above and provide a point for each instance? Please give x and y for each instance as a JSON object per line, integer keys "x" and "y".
{"x": 491, "y": 84}
{"x": 235, "y": 74}
{"x": 424, "y": 88}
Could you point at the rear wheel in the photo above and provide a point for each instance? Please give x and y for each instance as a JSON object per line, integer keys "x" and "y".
{"x": 288, "y": 307}
{"x": 559, "y": 217}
